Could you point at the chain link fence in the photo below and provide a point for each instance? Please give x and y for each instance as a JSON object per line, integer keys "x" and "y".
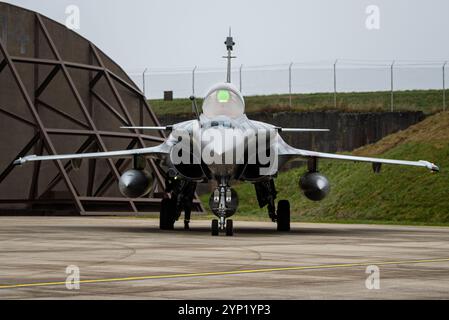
{"x": 391, "y": 80}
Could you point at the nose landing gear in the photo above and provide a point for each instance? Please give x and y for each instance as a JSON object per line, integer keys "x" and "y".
{"x": 223, "y": 203}
{"x": 228, "y": 227}
{"x": 215, "y": 228}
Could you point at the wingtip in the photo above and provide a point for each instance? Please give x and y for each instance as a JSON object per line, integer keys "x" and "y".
{"x": 21, "y": 161}
{"x": 431, "y": 166}
{"x": 435, "y": 168}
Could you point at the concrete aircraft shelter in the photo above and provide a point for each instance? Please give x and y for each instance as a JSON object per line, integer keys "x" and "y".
{"x": 60, "y": 94}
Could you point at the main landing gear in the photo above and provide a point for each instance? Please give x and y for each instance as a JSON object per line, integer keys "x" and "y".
{"x": 167, "y": 214}
{"x": 223, "y": 203}
{"x": 182, "y": 193}
{"x": 266, "y": 196}
{"x": 283, "y": 216}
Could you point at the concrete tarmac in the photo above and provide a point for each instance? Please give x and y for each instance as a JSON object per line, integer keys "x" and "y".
{"x": 122, "y": 258}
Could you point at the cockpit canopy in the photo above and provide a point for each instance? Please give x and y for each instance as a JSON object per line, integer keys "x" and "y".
{"x": 224, "y": 100}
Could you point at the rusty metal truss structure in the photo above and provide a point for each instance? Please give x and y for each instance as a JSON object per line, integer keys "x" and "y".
{"x": 60, "y": 94}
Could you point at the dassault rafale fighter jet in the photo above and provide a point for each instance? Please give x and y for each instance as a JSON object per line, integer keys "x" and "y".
{"x": 223, "y": 145}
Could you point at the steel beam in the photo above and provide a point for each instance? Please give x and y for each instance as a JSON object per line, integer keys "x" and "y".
{"x": 78, "y": 99}
{"x": 61, "y": 113}
{"x": 42, "y": 139}
{"x": 22, "y": 153}
{"x": 67, "y": 166}
{"x": 3, "y": 64}
{"x": 128, "y": 116}
{"x": 47, "y": 81}
{"x": 41, "y": 126}
{"x": 15, "y": 116}
{"x": 110, "y": 108}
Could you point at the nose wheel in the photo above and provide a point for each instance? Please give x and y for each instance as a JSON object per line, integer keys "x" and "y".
{"x": 215, "y": 228}
{"x": 223, "y": 202}
{"x": 227, "y": 227}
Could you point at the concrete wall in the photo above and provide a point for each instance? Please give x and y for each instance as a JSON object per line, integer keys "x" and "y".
{"x": 348, "y": 130}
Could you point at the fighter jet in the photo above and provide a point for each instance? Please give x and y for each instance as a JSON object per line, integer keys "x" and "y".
{"x": 224, "y": 146}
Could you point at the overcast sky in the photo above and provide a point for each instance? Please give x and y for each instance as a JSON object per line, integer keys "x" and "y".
{"x": 173, "y": 33}
{"x": 179, "y": 34}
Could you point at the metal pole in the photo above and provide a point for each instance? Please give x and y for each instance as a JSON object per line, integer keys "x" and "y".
{"x": 290, "y": 83}
{"x": 392, "y": 85}
{"x": 444, "y": 86}
{"x": 240, "y": 75}
{"x": 193, "y": 81}
{"x": 143, "y": 81}
{"x": 335, "y": 83}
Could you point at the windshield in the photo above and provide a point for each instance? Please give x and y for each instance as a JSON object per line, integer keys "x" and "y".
{"x": 223, "y": 100}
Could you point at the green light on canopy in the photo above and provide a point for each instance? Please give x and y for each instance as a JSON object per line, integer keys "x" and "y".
{"x": 223, "y": 96}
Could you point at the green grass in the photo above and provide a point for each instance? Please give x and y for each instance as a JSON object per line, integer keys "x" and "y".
{"x": 428, "y": 101}
{"x": 399, "y": 195}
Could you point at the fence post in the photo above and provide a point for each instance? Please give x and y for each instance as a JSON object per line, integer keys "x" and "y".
{"x": 444, "y": 86}
{"x": 290, "y": 83}
{"x": 143, "y": 81}
{"x": 335, "y": 84}
{"x": 392, "y": 85}
{"x": 193, "y": 80}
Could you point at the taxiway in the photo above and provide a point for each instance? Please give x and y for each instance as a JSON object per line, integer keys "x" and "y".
{"x": 121, "y": 258}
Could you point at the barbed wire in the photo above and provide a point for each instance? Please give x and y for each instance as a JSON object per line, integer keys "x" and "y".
{"x": 313, "y": 64}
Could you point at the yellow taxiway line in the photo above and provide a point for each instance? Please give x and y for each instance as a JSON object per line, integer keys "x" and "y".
{"x": 220, "y": 273}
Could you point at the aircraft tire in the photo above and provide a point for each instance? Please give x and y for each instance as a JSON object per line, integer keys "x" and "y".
{"x": 166, "y": 220}
{"x": 229, "y": 228}
{"x": 283, "y": 216}
{"x": 215, "y": 229}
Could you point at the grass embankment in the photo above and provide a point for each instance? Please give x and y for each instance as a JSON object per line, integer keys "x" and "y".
{"x": 399, "y": 195}
{"x": 428, "y": 101}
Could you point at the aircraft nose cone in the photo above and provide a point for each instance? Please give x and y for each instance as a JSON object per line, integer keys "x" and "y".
{"x": 321, "y": 184}
{"x": 127, "y": 179}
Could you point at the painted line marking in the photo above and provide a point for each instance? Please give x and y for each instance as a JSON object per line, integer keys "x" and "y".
{"x": 221, "y": 273}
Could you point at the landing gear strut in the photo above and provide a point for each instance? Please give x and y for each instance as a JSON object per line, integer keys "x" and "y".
{"x": 223, "y": 202}
{"x": 266, "y": 196}
{"x": 229, "y": 227}
{"x": 226, "y": 225}
{"x": 182, "y": 193}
